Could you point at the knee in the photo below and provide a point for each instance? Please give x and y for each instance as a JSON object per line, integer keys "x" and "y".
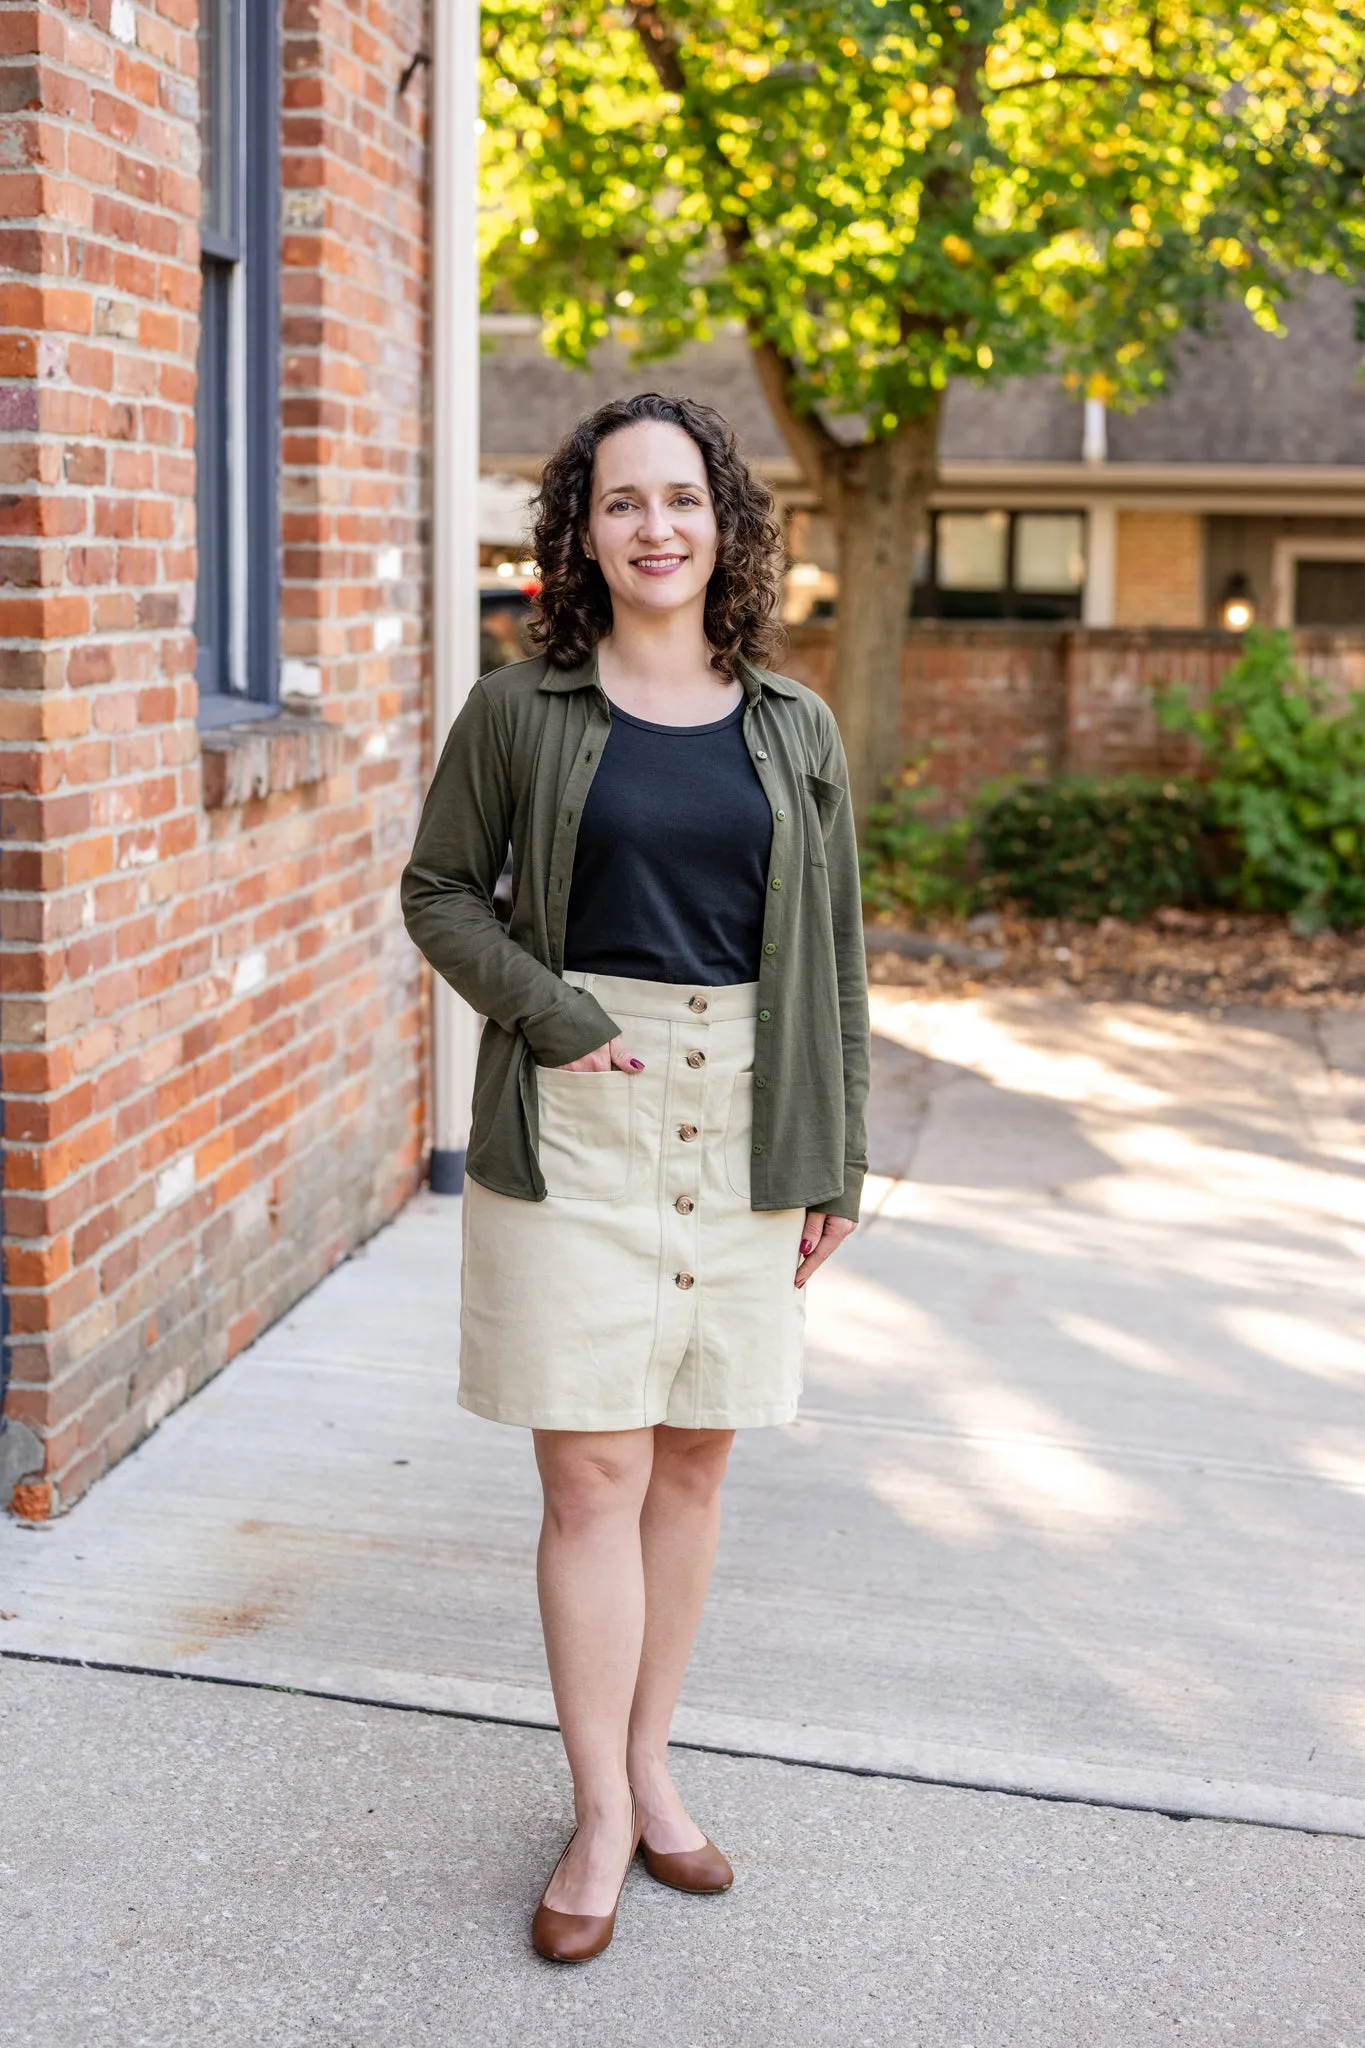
{"x": 584, "y": 1493}
{"x": 692, "y": 1462}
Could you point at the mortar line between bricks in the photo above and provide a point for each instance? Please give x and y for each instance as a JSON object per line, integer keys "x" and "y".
{"x": 768, "y": 1756}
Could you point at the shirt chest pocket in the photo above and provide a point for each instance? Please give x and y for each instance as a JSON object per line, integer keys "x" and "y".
{"x": 822, "y": 799}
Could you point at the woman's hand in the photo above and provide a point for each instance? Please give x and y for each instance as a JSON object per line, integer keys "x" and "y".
{"x": 612, "y": 1054}
{"x": 821, "y": 1236}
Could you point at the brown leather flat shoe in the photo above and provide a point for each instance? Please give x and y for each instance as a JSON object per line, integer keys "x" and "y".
{"x": 689, "y": 1870}
{"x": 578, "y": 1937}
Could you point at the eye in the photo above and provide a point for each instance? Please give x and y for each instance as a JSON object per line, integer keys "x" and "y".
{"x": 687, "y": 498}
{"x": 619, "y": 505}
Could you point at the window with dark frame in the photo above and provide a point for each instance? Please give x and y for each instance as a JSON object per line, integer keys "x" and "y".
{"x": 1330, "y": 593}
{"x": 993, "y": 564}
{"x": 237, "y": 407}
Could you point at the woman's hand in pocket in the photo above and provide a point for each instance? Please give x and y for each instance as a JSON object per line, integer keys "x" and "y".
{"x": 821, "y": 1236}
{"x": 612, "y": 1054}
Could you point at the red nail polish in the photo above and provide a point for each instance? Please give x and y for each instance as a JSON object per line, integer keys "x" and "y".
{"x": 638, "y": 1065}
{"x": 806, "y": 1247}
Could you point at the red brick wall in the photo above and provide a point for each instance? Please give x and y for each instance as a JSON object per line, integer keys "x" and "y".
{"x": 211, "y": 1023}
{"x": 980, "y": 702}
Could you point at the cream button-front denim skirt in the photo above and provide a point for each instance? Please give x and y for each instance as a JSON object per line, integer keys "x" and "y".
{"x": 643, "y": 1289}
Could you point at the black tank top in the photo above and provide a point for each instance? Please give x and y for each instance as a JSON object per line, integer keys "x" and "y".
{"x": 670, "y": 871}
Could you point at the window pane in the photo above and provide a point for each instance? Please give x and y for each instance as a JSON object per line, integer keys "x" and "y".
{"x": 213, "y": 605}
{"x": 1329, "y": 593}
{"x": 216, "y": 114}
{"x": 1049, "y": 551}
{"x": 971, "y": 550}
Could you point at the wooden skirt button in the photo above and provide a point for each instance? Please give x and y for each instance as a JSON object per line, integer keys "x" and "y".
{"x": 684, "y": 1280}
{"x": 684, "y": 1205}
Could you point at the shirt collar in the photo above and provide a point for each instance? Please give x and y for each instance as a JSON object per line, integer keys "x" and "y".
{"x": 559, "y": 681}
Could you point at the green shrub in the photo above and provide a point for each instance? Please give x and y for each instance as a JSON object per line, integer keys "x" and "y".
{"x": 1287, "y": 782}
{"x": 1089, "y": 849}
{"x": 912, "y": 862}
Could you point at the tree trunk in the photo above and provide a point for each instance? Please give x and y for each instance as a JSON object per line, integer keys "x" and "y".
{"x": 876, "y": 494}
{"x": 877, "y": 497}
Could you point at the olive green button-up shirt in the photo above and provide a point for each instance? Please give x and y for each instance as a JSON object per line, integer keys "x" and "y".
{"x": 517, "y": 767}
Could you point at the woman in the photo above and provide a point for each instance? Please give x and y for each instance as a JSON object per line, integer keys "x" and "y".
{"x": 668, "y": 1110}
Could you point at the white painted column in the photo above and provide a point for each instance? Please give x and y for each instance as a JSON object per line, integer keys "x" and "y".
{"x": 455, "y": 495}
{"x": 1095, "y": 431}
{"x": 1101, "y": 562}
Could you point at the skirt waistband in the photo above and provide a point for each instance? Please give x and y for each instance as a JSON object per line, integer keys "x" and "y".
{"x": 674, "y": 1002}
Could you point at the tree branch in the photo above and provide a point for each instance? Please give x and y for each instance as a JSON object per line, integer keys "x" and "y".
{"x": 660, "y": 45}
{"x": 1141, "y": 78}
{"x": 810, "y": 441}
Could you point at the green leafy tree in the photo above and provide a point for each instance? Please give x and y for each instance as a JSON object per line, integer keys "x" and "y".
{"x": 892, "y": 193}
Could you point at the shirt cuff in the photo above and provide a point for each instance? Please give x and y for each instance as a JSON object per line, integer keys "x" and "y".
{"x": 850, "y": 1201}
{"x": 574, "y": 1026}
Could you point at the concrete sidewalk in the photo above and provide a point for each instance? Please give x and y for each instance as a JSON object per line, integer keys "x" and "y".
{"x": 1076, "y": 1507}
{"x": 191, "y": 1867}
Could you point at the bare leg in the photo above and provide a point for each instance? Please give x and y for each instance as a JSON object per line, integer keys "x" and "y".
{"x": 679, "y": 1530}
{"x": 592, "y": 1607}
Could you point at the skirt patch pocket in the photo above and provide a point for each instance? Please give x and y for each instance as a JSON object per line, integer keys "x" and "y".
{"x": 587, "y": 1124}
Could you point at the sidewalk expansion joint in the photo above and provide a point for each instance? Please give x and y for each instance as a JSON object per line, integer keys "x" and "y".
{"x": 740, "y": 1754}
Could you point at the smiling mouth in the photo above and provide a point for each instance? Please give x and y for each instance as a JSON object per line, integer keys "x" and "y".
{"x": 658, "y": 565}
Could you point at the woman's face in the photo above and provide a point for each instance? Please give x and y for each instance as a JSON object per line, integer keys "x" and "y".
{"x": 652, "y": 526}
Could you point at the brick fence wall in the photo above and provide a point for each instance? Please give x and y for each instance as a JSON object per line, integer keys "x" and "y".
{"x": 212, "y": 1023}
{"x": 981, "y": 702}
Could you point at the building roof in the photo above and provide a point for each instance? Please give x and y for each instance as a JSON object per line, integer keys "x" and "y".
{"x": 1240, "y": 396}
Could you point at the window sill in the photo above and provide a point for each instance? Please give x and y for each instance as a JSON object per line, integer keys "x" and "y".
{"x": 244, "y": 763}
{"x": 216, "y": 707}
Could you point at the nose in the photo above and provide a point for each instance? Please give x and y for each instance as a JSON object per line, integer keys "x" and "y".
{"x": 655, "y": 524}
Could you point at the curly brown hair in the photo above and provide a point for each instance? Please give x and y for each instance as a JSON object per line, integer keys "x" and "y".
{"x": 573, "y": 608}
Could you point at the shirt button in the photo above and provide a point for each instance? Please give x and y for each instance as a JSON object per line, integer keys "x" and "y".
{"x": 697, "y": 1004}
{"x": 759, "y": 754}
{"x": 780, "y": 814}
{"x": 757, "y": 1150}
{"x": 770, "y": 947}
{"x": 696, "y": 1059}
{"x": 759, "y": 1081}
{"x": 684, "y": 1205}
{"x": 687, "y": 1132}
{"x": 683, "y": 1280}
{"x": 777, "y": 881}
{"x": 764, "y": 1015}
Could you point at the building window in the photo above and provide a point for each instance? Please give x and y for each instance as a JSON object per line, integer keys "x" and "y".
{"x": 1002, "y": 565}
{"x": 1318, "y": 580}
{"x": 237, "y": 407}
{"x": 1330, "y": 593}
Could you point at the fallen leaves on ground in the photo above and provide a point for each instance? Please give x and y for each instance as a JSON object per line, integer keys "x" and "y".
{"x": 1179, "y": 958}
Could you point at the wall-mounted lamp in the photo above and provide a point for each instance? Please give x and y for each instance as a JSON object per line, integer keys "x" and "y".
{"x": 1237, "y": 610}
